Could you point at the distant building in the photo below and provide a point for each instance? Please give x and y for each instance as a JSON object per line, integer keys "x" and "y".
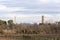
{"x": 42, "y": 19}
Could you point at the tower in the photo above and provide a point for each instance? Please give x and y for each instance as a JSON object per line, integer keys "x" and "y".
{"x": 42, "y": 19}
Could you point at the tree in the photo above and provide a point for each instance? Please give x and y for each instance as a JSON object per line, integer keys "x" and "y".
{"x": 10, "y": 24}
{"x": 3, "y": 22}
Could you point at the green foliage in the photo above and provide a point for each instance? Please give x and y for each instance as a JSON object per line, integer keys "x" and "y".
{"x": 11, "y": 24}
{"x": 3, "y": 22}
{"x": 10, "y": 21}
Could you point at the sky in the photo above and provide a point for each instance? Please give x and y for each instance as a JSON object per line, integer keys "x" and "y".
{"x": 30, "y": 11}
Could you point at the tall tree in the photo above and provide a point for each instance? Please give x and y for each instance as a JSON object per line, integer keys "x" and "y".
{"x": 10, "y": 24}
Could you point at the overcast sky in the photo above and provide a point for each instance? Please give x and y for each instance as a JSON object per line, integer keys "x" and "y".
{"x": 30, "y": 11}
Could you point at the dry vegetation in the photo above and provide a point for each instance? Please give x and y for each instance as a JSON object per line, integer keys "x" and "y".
{"x": 6, "y": 39}
{"x": 26, "y": 28}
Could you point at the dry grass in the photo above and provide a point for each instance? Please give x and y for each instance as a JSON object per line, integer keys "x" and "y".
{"x": 6, "y": 39}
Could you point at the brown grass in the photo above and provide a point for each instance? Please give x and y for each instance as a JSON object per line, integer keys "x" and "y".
{"x": 6, "y": 39}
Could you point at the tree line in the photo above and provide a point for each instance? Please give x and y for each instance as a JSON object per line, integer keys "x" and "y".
{"x": 26, "y": 28}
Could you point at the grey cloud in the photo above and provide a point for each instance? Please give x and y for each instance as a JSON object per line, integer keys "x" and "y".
{"x": 32, "y": 6}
